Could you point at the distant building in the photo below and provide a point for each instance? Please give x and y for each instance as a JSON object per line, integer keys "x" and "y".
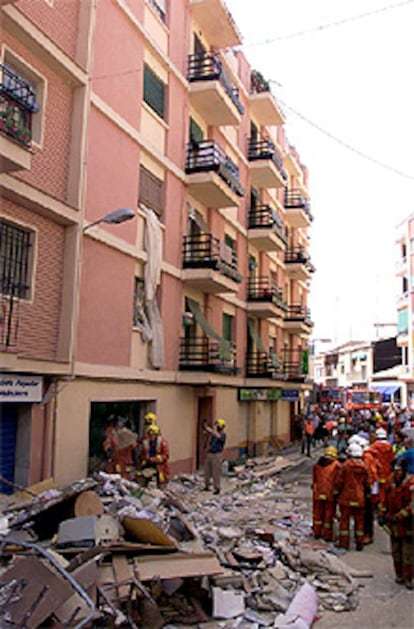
{"x": 404, "y": 270}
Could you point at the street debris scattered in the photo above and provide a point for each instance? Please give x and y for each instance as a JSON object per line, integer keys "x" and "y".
{"x": 106, "y": 552}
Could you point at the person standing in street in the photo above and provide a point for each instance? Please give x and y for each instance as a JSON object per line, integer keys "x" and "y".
{"x": 214, "y": 458}
{"x": 324, "y": 475}
{"x": 352, "y": 486}
{"x": 398, "y": 516}
{"x": 307, "y": 435}
{"x": 383, "y": 452}
{"x": 119, "y": 446}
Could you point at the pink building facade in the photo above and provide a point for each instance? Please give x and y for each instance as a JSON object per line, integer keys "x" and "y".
{"x": 196, "y": 307}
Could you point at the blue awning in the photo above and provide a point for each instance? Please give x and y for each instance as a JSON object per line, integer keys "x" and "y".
{"x": 387, "y": 389}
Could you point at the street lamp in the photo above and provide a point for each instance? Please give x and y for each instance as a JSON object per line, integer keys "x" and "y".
{"x": 115, "y": 217}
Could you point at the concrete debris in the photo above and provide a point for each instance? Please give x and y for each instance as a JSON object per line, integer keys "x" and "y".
{"x": 106, "y": 551}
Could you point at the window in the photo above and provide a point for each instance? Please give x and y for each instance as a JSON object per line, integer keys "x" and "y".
{"x": 154, "y": 92}
{"x": 151, "y": 191}
{"x": 21, "y": 97}
{"x": 227, "y": 326}
{"x": 160, "y": 8}
{"x": 196, "y": 132}
{"x": 15, "y": 260}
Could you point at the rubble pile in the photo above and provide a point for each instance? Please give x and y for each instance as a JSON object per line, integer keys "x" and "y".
{"x": 106, "y": 552}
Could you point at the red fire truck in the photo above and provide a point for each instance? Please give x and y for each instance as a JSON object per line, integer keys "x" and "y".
{"x": 359, "y": 399}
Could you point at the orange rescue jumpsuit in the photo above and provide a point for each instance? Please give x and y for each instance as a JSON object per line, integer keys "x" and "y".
{"x": 159, "y": 458}
{"x": 352, "y": 485}
{"x": 324, "y": 477}
{"x": 383, "y": 452}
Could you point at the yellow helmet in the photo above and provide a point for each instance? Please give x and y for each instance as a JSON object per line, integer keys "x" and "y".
{"x": 331, "y": 451}
{"x": 150, "y": 418}
{"x": 221, "y": 423}
{"x": 153, "y": 429}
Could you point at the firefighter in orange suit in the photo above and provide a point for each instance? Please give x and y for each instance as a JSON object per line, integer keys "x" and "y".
{"x": 352, "y": 486}
{"x": 155, "y": 454}
{"x": 371, "y": 501}
{"x": 324, "y": 476}
{"x": 398, "y": 516}
{"x": 119, "y": 446}
{"x": 383, "y": 452}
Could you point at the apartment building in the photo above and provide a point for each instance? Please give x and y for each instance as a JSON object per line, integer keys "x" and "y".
{"x": 404, "y": 271}
{"x": 154, "y": 231}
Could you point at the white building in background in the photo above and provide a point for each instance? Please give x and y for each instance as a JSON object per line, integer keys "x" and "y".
{"x": 404, "y": 271}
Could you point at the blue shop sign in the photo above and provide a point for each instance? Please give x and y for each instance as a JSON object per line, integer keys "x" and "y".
{"x": 290, "y": 395}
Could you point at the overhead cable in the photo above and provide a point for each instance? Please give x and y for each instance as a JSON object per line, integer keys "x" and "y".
{"x": 345, "y": 144}
{"x": 328, "y": 25}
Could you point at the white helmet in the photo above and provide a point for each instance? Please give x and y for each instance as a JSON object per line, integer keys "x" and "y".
{"x": 381, "y": 434}
{"x": 354, "y": 450}
{"x": 354, "y": 439}
{"x": 364, "y": 443}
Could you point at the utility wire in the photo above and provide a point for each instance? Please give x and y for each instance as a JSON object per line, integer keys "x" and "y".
{"x": 345, "y": 144}
{"x": 328, "y": 25}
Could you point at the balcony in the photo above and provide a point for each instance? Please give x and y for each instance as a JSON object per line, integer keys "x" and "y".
{"x": 265, "y": 229}
{"x": 264, "y": 107}
{"x": 298, "y": 319}
{"x": 298, "y": 264}
{"x": 213, "y": 179}
{"x": 216, "y": 23}
{"x": 294, "y": 365}
{"x": 265, "y": 299}
{"x": 212, "y": 91}
{"x": 263, "y": 365}
{"x": 292, "y": 165}
{"x": 209, "y": 265}
{"x": 15, "y": 137}
{"x": 200, "y": 353}
{"x": 266, "y": 167}
{"x": 297, "y": 208}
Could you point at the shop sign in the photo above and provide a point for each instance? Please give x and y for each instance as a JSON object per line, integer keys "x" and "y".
{"x": 259, "y": 395}
{"x": 291, "y": 395}
{"x": 14, "y": 388}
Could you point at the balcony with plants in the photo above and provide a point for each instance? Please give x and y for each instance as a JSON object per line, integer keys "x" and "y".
{"x": 17, "y": 106}
{"x": 209, "y": 265}
{"x": 296, "y": 365}
{"x": 265, "y": 228}
{"x": 213, "y": 93}
{"x": 263, "y": 104}
{"x": 213, "y": 178}
{"x": 263, "y": 365}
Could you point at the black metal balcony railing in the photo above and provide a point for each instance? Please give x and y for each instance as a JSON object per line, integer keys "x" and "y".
{"x": 263, "y": 364}
{"x": 200, "y": 353}
{"x": 296, "y": 255}
{"x": 297, "y": 312}
{"x": 295, "y": 199}
{"x": 294, "y": 365}
{"x": 263, "y": 148}
{"x": 263, "y": 215}
{"x": 263, "y": 289}
{"x": 204, "y": 251}
{"x": 206, "y": 156}
{"x": 208, "y": 66}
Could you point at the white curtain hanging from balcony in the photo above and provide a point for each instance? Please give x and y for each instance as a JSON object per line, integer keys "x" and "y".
{"x": 152, "y": 275}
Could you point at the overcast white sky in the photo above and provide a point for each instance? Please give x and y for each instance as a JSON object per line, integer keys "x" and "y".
{"x": 355, "y": 81}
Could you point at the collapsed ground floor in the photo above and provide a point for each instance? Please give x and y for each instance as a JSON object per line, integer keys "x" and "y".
{"x": 55, "y": 427}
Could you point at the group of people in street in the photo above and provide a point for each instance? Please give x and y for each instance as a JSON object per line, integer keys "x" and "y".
{"x": 148, "y": 457}
{"x": 366, "y": 472}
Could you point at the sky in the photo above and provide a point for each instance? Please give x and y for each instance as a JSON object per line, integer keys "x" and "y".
{"x": 354, "y": 81}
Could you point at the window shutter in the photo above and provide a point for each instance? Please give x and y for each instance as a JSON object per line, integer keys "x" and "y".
{"x": 151, "y": 191}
